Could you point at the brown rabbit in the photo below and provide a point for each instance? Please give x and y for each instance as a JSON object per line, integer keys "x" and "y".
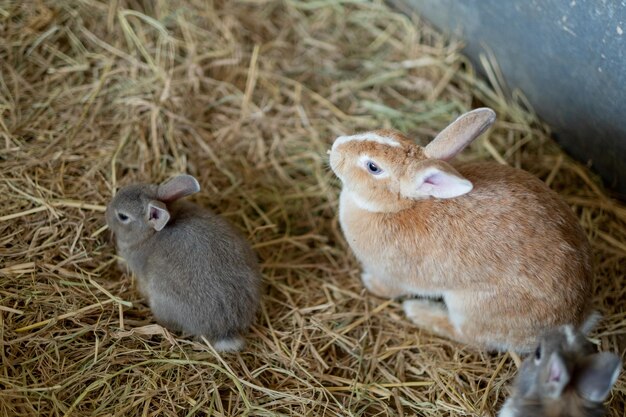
{"x": 565, "y": 377}
{"x": 505, "y": 253}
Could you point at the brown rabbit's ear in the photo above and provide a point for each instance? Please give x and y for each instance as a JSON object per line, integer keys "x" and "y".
{"x": 460, "y": 133}
{"x": 597, "y": 376}
{"x": 434, "y": 179}
{"x": 177, "y": 187}
{"x": 158, "y": 216}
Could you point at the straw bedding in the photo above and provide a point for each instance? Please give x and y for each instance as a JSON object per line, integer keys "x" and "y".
{"x": 246, "y": 96}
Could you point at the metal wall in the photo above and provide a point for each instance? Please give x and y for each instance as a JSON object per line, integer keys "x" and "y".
{"x": 567, "y": 56}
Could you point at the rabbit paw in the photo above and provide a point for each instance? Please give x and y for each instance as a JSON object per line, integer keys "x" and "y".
{"x": 380, "y": 287}
{"x": 122, "y": 266}
{"x": 431, "y": 316}
{"x": 229, "y": 344}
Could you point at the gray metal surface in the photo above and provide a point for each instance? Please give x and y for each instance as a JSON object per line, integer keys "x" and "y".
{"x": 567, "y": 56}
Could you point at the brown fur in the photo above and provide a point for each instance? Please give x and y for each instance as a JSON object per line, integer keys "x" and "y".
{"x": 509, "y": 257}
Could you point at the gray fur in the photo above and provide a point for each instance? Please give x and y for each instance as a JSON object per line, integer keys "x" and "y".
{"x": 553, "y": 384}
{"x": 198, "y": 274}
{"x": 597, "y": 376}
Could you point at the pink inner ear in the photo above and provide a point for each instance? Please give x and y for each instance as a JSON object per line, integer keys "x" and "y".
{"x": 442, "y": 180}
{"x": 433, "y": 179}
{"x": 154, "y": 213}
{"x": 555, "y": 372}
{"x": 158, "y": 217}
{"x": 441, "y": 184}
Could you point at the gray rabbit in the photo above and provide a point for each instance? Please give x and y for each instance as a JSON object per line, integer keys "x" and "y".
{"x": 198, "y": 274}
{"x": 564, "y": 378}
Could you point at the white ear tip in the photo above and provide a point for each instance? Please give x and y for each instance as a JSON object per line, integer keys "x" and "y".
{"x": 482, "y": 114}
{"x": 196, "y": 184}
{"x": 488, "y": 112}
{"x": 590, "y": 322}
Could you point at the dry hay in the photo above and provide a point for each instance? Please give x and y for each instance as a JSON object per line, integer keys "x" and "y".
{"x": 247, "y": 96}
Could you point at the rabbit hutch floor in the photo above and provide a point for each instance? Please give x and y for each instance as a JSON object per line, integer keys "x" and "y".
{"x": 247, "y": 96}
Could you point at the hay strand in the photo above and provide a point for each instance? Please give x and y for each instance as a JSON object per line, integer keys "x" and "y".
{"x": 247, "y": 96}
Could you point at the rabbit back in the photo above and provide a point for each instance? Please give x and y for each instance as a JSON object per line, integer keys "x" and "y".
{"x": 509, "y": 258}
{"x": 199, "y": 274}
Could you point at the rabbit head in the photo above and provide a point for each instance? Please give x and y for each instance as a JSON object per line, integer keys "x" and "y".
{"x": 384, "y": 171}
{"x": 139, "y": 210}
{"x": 564, "y": 375}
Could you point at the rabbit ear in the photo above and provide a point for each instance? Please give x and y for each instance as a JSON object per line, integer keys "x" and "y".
{"x": 437, "y": 180}
{"x": 597, "y": 376}
{"x": 557, "y": 378}
{"x": 590, "y": 323}
{"x": 460, "y": 133}
{"x": 158, "y": 216}
{"x": 177, "y": 187}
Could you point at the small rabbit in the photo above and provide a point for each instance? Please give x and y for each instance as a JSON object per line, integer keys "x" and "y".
{"x": 564, "y": 378}
{"x": 505, "y": 253}
{"x": 198, "y": 274}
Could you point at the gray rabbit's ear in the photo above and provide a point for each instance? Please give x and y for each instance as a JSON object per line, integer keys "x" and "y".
{"x": 177, "y": 187}
{"x": 460, "y": 133}
{"x": 597, "y": 376}
{"x": 590, "y": 323}
{"x": 557, "y": 376}
{"x": 158, "y": 216}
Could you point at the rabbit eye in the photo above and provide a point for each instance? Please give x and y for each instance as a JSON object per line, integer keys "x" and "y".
{"x": 123, "y": 217}
{"x": 538, "y": 354}
{"x": 373, "y": 168}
